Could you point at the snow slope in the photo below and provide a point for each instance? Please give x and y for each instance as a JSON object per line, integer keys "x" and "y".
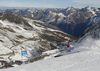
{"x": 88, "y": 59}
{"x": 38, "y": 38}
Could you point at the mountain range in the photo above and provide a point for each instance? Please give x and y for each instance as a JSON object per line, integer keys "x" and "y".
{"x": 70, "y": 20}
{"x": 39, "y": 29}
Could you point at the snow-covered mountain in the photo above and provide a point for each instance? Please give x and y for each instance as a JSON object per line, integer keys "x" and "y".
{"x": 37, "y": 37}
{"x": 71, "y": 20}
{"x": 85, "y": 57}
{"x": 92, "y": 31}
{"x": 17, "y": 32}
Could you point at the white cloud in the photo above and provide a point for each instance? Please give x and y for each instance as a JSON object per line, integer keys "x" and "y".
{"x": 13, "y": 3}
{"x": 87, "y": 1}
{"x": 83, "y": 3}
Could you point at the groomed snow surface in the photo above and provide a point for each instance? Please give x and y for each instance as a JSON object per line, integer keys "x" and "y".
{"x": 86, "y": 57}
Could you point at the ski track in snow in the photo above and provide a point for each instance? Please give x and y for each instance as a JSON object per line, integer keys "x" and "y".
{"x": 69, "y": 63}
{"x": 88, "y": 60}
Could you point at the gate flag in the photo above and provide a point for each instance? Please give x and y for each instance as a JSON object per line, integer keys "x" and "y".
{"x": 23, "y": 52}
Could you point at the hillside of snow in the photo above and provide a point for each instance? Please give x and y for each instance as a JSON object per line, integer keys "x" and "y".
{"x": 86, "y": 59}
{"x": 17, "y": 32}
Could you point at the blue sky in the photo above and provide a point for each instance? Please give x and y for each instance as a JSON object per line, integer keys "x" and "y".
{"x": 50, "y": 3}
